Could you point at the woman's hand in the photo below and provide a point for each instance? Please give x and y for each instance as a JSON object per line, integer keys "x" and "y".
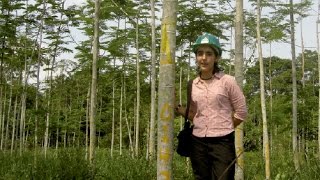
{"x": 236, "y": 122}
{"x": 177, "y": 108}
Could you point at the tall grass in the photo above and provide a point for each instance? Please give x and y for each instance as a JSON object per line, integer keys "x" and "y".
{"x": 62, "y": 164}
{"x": 123, "y": 167}
{"x": 71, "y": 164}
{"x": 282, "y": 166}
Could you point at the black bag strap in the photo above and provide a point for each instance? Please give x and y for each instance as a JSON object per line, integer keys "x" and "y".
{"x": 189, "y": 90}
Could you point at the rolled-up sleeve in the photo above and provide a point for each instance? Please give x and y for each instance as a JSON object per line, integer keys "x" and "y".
{"x": 238, "y": 100}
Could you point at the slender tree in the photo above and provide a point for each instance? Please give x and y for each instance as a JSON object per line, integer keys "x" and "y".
{"x": 2, "y": 118}
{"x": 40, "y": 56}
{"x": 120, "y": 117}
{"x": 302, "y": 138}
{"x": 8, "y": 113}
{"x": 113, "y": 95}
{"x": 93, "y": 97}
{"x": 87, "y": 123}
{"x": 24, "y": 85}
{"x": 153, "y": 82}
{"x": 166, "y": 90}
{"x": 318, "y": 48}
{"x": 14, "y": 120}
{"x": 239, "y": 175}
{"x": 294, "y": 90}
{"x": 56, "y": 48}
{"x": 137, "y": 126}
{"x": 262, "y": 96}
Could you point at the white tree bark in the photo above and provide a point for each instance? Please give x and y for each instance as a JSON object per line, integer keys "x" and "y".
{"x": 113, "y": 113}
{"x": 239, "y": 174}
{"x": 166, "y": 90}
{"x": 153, "y": 83}
{"x": 294, "y": 91}
{"x": 120, "y": 119}
{"x": 262, "y": 96}
{"x": 93, "y": 98}
{"x": 38, "y": 74}
{"x": 2, "y": 120}
{"x": 318, "y": 48}
{"x": 14, "y": 120}
{"x": 138, "y": 90}
{"x": 87, "y": 122}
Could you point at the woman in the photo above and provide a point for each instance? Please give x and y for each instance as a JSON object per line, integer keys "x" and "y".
{"x": 217, "y": 107}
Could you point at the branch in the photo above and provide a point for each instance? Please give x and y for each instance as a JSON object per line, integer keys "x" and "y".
{"x": 132, "y": 21}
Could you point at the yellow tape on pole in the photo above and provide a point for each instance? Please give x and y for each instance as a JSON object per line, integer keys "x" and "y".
{"x": 165, "y": 54}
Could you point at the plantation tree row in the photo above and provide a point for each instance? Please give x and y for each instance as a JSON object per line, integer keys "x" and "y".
{"x": 45, "y": 97}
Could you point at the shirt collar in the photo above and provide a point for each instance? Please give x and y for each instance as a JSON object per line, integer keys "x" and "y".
{"x": 217, "y": 75}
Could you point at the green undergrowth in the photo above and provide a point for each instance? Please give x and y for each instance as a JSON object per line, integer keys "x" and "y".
{"x": 71, "y": 164}
{"x": 61, "y": 164}
{"x": 282, "y": 166}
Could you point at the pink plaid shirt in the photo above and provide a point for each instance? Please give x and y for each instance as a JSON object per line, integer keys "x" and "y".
{"x": 214, "y": 103}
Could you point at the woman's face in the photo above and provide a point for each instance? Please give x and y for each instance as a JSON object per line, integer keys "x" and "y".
{"x": 206, "y": 58}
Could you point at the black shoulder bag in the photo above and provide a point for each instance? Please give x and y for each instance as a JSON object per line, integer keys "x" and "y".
{"x": 184, "y": 136}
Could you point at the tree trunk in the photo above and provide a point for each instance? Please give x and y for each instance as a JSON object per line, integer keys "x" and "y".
{"x": 2, "y": 119}
{"x": 125, "y": 96}
{"x": 262, "y": 96}
{"x": 318, "y": 48}
{"x": 180, "y": 96}
{"x": 120, "y": 119}
{"x": 55, "y": 54}
{"x": 99, "y": 130}
{"x": 271, "y": 97}
{"x": 113, "y": 111}
{"x": 138, "y": 90}
{"x": 294, "y": 91}
{"x": 93, "y": 98}
{"x": 58, "y": 124}
{"x": 153, "y": 83}
{"x": 87, "y": 122}
{"x": 303, "y": 137}
{"x": 239, "y": 174}
{"x": 231, "y": 52}
{"x": 38, "y": 75}
{"x": 8, "y": 116}
{"x": 1, "y": 112}
{"x": 22, "y": 119}
{"x": 24, "y": 94}
{"x": 126, "y": 119}
{"x": 302, "y": 54}
{"x": 166, "y": 90}
{"x": 14, "y": 119}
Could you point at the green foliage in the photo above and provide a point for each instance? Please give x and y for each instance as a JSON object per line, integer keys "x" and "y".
{"x": 62, "y": 164}
{"x": 71, "y": 164}
{"x": 283, "y": 9}
{"x": 124, "y": 167}
{"x": 278, "y": 77}
{"x": 272, "y": 28}
{"x": 69, "y": 90}
{"x": 193, "y": 20}
{"x": 282, "y": 166}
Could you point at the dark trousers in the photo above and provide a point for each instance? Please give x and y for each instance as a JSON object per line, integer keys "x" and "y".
{"x": 212, "y": 158}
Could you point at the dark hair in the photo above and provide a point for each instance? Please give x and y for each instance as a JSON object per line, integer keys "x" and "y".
{"x": 215, "y": 51}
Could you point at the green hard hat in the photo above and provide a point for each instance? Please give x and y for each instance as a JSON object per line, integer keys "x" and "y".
{"x": 210, "y": 40}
